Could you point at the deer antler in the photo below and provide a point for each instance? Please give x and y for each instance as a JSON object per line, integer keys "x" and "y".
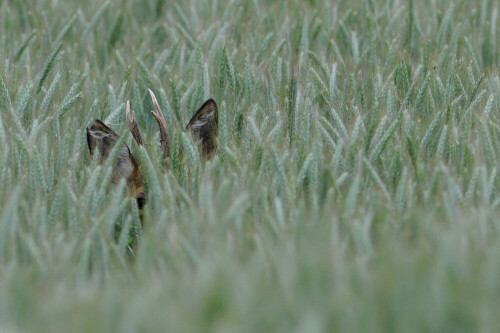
{"x": 165, "y": 143}
{"x": 132, "y": 125}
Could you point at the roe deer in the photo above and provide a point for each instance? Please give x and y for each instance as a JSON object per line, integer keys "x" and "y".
{"x": 203, "y": 127}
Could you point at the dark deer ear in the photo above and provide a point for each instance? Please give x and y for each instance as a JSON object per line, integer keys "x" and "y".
{"x": 204, "y": 127}
{"x": 103, "y": 138}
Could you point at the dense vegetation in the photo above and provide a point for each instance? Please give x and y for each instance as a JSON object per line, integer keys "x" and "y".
{"x": 356, "y": 185}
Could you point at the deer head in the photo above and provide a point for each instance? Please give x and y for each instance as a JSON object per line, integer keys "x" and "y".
{"x": 203, "y": 127}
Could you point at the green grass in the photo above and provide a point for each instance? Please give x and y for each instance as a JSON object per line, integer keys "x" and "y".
{"x": 356, "y": 186}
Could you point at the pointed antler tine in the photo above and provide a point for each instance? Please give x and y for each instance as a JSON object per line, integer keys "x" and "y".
{"x": 164, "y": 140}
{"x": 155, "y": 103}
{"x": 128, "y": 114}
{"x": 132, "y": 125}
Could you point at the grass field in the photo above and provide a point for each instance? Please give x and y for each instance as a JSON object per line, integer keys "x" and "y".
{"x": 356, "y": 186}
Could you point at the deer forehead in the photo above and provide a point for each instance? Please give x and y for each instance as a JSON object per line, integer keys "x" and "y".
{"x": 124, "y": 167}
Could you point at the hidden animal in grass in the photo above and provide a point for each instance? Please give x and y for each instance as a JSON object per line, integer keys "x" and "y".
{"x": 203, "y": 127}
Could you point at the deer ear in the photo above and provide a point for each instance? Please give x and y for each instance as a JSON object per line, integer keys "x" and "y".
{"x": 103, "y": 138}
{"x": 204, "y": 127}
